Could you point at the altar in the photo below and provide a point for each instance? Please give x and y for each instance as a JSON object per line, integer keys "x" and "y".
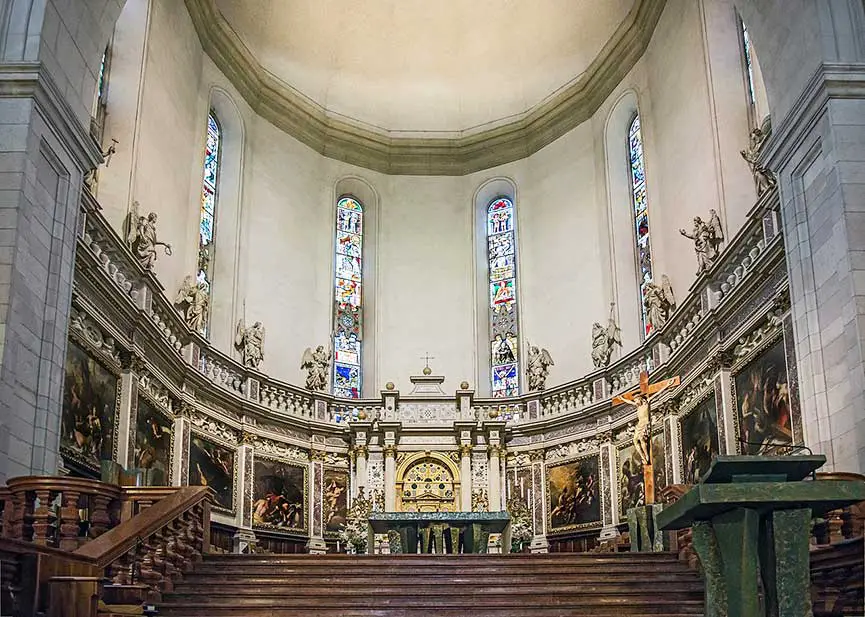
{"x": 441, "y": 532}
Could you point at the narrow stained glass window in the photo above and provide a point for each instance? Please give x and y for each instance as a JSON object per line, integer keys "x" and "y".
{"x": 207, "y": 218}
{"x": 641, "y": 216}
{"x": 348, "y": 283}
{"x": 749, "y": 66}
{"x": 504, "y": 340}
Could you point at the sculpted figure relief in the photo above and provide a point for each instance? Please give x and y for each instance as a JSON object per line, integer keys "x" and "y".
{"x": 603, "y": 340}
{"x": 660, "y": 302}
{"x": 764, "y": 179}
{"x": 707, "y": 239}
{"x": 250, "y": 342}
{"x": 192, "y": 300}
{"x": 538, "y": 368}
{"x": 142, "y": 237}
{"x": 317, "y": 364}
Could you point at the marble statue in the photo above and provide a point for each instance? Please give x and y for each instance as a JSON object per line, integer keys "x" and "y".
{"x": 707, "y": 239}
{"x": 660, "y": 302}
{"x": 317, "y": 364}
{"x": 192, "y": 300}
{"x": 90, "y": 178}
{"x": 250, "y": 342}
{"x": 603, "y": 340}
{"x": 764, "y": 179}
{"x": 539, "y": 365}
{"x": 142, "y": 237}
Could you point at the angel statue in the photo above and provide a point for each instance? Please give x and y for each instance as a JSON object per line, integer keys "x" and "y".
{"x": 603, "y": 340}
{"x": 660, "y": 302}
{"x": 250, "y": 343}
{"x": 707, "y": 239}
{"x": 142, "y": 237}
{"x": 539, "y": 365}
{"x": 317, "y": 364}
{"x": 764, "y": 179}
{"x": 192, "y": 301}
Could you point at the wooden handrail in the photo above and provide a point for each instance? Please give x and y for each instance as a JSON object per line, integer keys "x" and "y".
{"x": 123, "y": 538}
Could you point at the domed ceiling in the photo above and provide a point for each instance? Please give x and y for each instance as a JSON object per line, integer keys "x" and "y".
{"x": 409, "y": 87}
{"x": 417, "y": 65}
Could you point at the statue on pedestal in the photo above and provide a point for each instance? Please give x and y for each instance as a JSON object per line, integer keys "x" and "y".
{"x": 603, "y": 340}
{"x": 317, "y": 364}
{"x": 192, "y": 301}
{"x": 142, "y": 237}
{"x": 250, "y": 342}
{"x": 707, "y": 239}
{"x": 764, "y": 179}
{"x": 660, "y": 302}
{"x": 538, "y": 368}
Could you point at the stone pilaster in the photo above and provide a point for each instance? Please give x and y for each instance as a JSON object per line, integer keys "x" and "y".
{"x": 128, "y": 415}
{"x": 245, "y": 481}
{"x": 180, "y": 471}
{"x": 389, "y": 478}
{"x": 316, "y": 544}
{"x": 539, "y": 542}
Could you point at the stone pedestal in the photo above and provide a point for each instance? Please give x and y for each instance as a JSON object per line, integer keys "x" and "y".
{"x": 645, "y": 535}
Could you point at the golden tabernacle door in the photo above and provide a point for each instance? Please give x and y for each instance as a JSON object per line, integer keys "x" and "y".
{"x": 427, "y": 482}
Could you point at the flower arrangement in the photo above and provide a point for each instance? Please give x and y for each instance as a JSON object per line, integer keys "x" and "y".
{"x": 521, "y": 523}
{"x": 354, "y": 533}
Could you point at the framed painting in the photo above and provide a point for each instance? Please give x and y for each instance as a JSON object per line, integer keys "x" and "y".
{"x": 762, "y": 395}
{"x": 90, "y": 393}
{"x": 213, "y": 464}
{"x": 574, "y": 499}
{"x": 699, "y": 432}
{"x": 631, "y": 485}
{"x": 279, "y": 495}
{"x": 335, "y": 500}
{"x": 153, "y": 444}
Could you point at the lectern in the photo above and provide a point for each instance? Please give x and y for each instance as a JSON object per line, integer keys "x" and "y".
{"x": 751, "y": 516}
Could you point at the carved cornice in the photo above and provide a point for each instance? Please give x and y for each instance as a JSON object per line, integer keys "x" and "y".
{"x": 386, "y": 151}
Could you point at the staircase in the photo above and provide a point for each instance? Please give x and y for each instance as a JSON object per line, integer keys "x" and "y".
{"x": 560, "y": 585}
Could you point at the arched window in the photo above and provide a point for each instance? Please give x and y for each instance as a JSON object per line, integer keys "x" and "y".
{"x": 504, "y": 340}
{"x": 348, "y": 283}
{"x": 641, "y": 215}
{"x": 748, "y": 54}
{"x": 207, "y": 218}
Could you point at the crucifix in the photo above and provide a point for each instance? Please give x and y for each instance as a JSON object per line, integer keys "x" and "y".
{"x": 426, "y": 358}
{"x": 641, "y": 399}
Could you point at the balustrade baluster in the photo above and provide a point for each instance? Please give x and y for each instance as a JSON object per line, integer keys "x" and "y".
{"x": 70, "y": 519}
{"x": 41, "y": 516}
{"x": 100, "y": 521}
{"x": 183, "y": 549}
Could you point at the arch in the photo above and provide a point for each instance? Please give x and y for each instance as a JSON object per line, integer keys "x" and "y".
{"x": 498, "y": 316}
{"x": 225, "y": 293}
{"x": 443, "y": 495}
{"x": 360, "y": 323}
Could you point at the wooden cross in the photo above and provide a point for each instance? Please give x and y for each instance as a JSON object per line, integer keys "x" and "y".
{"x": 646, "y": 392}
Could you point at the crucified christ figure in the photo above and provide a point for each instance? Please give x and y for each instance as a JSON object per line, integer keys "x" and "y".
{"x": 642, "y": 399}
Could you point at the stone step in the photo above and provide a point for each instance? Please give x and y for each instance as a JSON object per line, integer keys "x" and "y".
{"x": 550, "y": 569}
{"x": 560, "y": 558}
{"x": 474, "y": 611}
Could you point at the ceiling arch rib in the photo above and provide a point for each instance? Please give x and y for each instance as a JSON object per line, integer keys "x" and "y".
{"x": 393, "y": 152}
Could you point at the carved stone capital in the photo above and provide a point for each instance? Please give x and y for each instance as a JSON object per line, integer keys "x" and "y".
{"x": 359, "y": 451}
{"x": 496, "y": 450}
{"x": 317, "y": 456}
{"x": 465, "y": 449}
{"x": 389, "y": 451}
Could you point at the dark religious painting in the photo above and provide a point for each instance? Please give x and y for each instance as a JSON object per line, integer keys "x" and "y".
{"x": 631, "y": 489}
{"x": 89, "y": 408}
{"x": 699, "y": 440}
{"x": 763, "y": 402}
{"x": 574, "y": 494}
{"x": 153, "y": 445}
{"x": 520, "y": 484}
{"x": 279, "y": 495}
{"x": 212, "y": 464}
{"x": 335, "y": 500}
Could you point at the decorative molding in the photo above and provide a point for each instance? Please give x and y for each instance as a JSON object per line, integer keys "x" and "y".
{"x": 390, "y": 152}
{"x": 573, "y": 449}
{"x": 209, "y": 426}
{"x": 275, "y": 449}
{"x": 85, "y": 330}
{"x": 760, "y": 337}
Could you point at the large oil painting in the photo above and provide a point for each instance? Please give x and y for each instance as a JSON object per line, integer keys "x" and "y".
{"x": 574, "y": 495}
{"x": 631, "y": 485}
{"x": 279, "y": 495}
{"x": 699, "y": 439}
{"x": 335, "y": 506}
{"x": 763, "y": 402}
{"x": 89, "y": 409}
{"x": 212, "y": 464}
{"x": 153, "y": 442}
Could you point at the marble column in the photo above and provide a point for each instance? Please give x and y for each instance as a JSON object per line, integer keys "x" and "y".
{"x": 539, "y": 499}
{"x": 127, "y": 416}
{"x": 494, "y": 478}
{"x": 316, "y": 544}
{"x": 361, "y": 457}
{"x": 466, "y": 477}
{"x": 180, "y": 463}
{"x": 390, "y": 478}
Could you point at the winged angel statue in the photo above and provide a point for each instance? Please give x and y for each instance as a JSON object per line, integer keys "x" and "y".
{"x": 603, "y": 340}
{"x": 660, "y": 302}
{"x": 539, "y": 365}
{"x": 317, "y": 364}
{"x": 142, "y": 237}
{"x": 250, "y": 342}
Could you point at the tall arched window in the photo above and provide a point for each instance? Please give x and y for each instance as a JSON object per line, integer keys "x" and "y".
{"x": 747, "y": 52}
{"x": 641, "y": 215}
{"x": 207, "y": 217}
{"x": 504, "y": 340}
{"x": 348, "y": 283}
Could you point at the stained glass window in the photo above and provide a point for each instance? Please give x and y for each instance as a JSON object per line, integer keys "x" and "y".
{"x": 207, "y": 218}
{"x": 749, "y": 66}
{"x": 100, "y": 88}
{"x": 348, "y": 301}
{"x": 504, "y": 342}
{"x": 641, "y": 215}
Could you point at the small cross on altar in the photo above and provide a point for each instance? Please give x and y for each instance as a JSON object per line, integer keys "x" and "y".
{"x": 426, "y": 358}
{"x": 641, "y": 399}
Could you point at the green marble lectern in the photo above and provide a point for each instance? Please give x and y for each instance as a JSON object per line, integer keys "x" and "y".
{"x": 427, "y": 531}
{"x": 751, "y": 518}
